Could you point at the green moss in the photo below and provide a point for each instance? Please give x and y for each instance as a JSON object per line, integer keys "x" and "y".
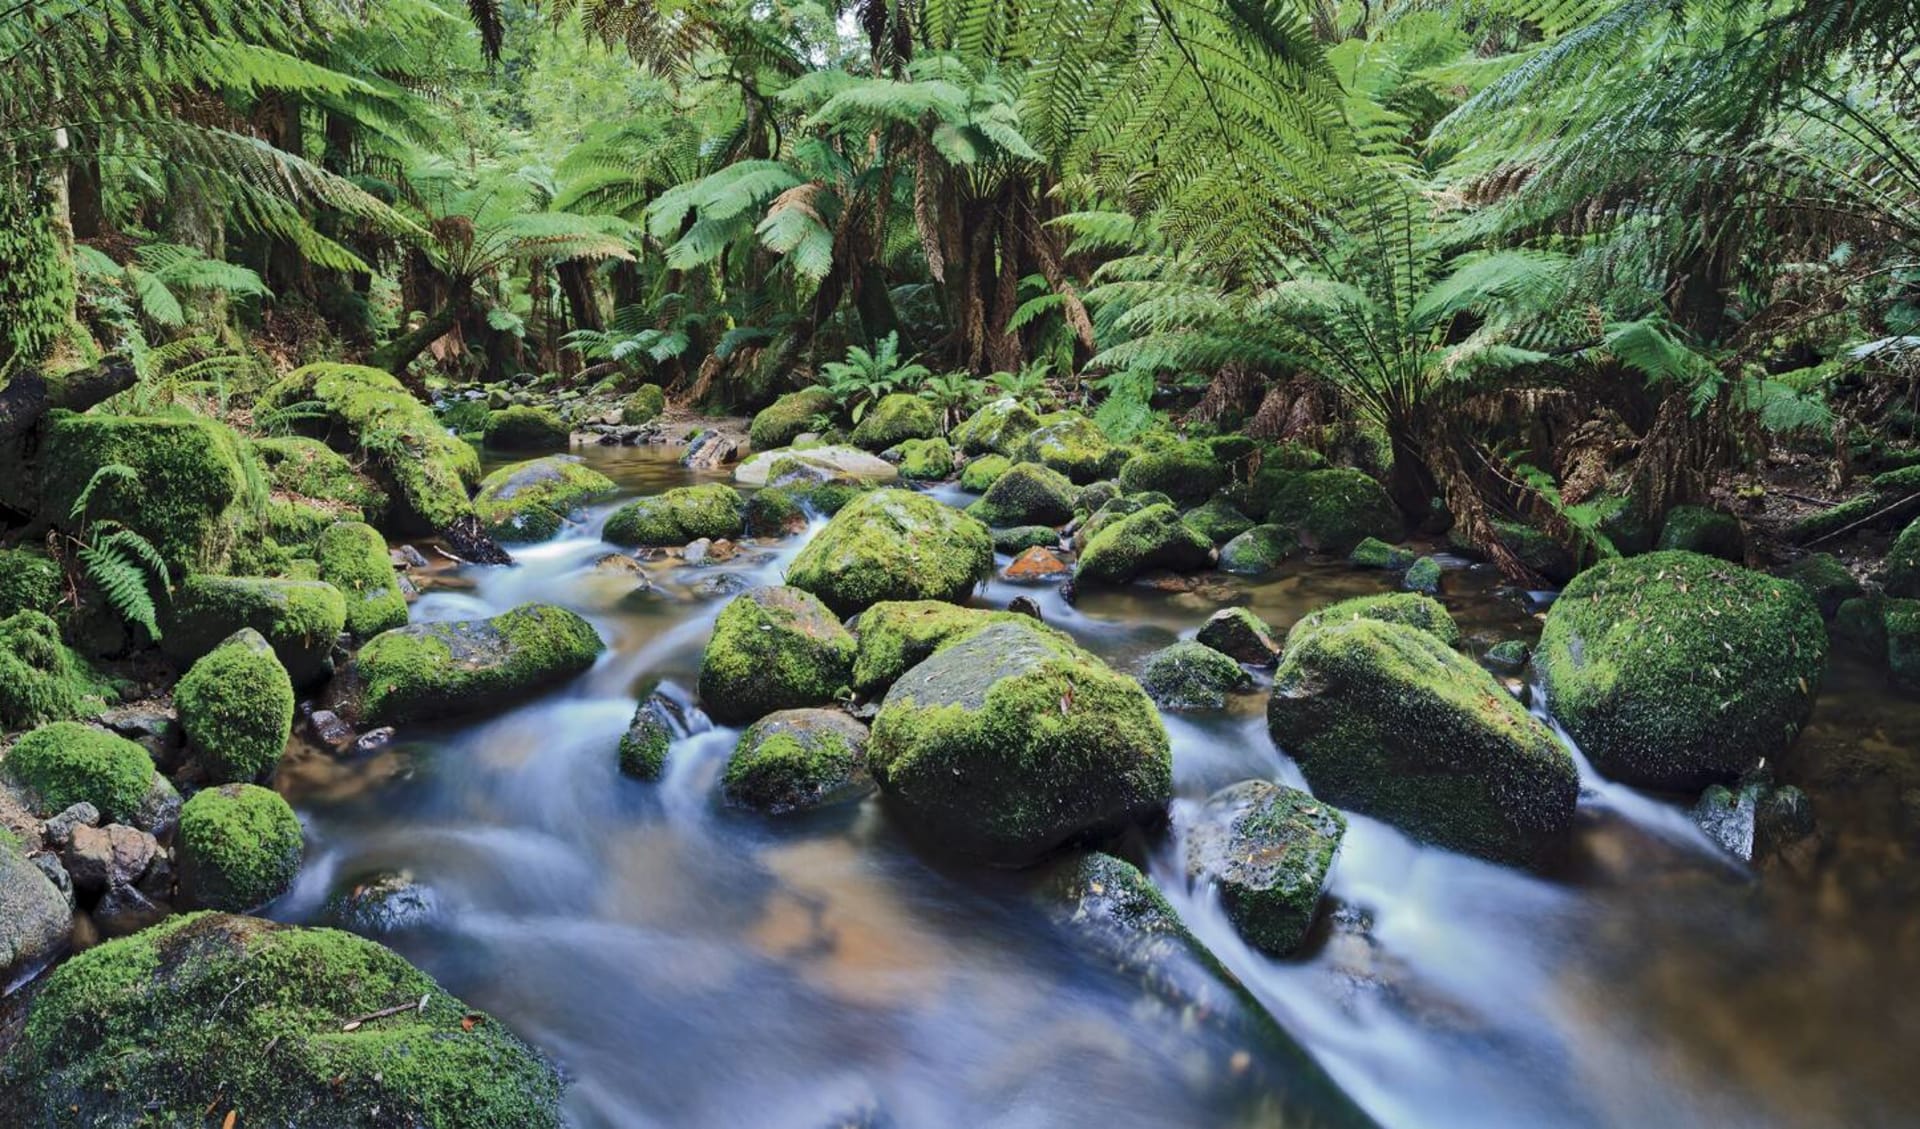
{"x": 1268, "y": 849}
{"x": 1218, "y": 521}
{"x": 788, "y": 418}
{"x": 297, "y": 523}
{"x": 309, "y": 469}
{"x": 1073, "y": 445}
{"x": 1903, "y": 563}
{"x": 523, "y": 428}
{"x": 1509, "y": 655}
{"x": 774, "y": 512}
{"x": 1153, "y": 538}
{"x": 188, "y": 494}
{"x": 1675, "y": 670}
{"x": 1095, "y": 496}
{"x": 435, "y": 670}
{"x": 796, "y": 760}
{"x": 926, "y": 460}
{"x": 1375, "y": 553}
{"x": 1011, "y": 741}
{"x": 1018, "y": 539}
{"x": 67, "y": 763}
{"x": 1191, "y": 676}
{"x": 533, "y": 500}
{"x": 644, "y": 406}
{"x": 1410, "y": 609}
{"x": 679, "y": 516}
{"x": 41, "y": 679}
{"x": 1259, "y": 550}
{"x": 353, "y": 558}
{"x": 1331, "y": 511}
{"x": 773, "y": 648}
{"x": 981, "y": 473}
{"x": 300, "y": 618}
{"x": 236, "y": 706}
{"x": 1188, "y": 474}
{"x": 893, "y": 545}
{"x": 1697, "y": 529}
{"x": 827, "y": 498}
{"x": 1824, "y": 523}
{"x": 894, "y": 420}
{"x": 467, "y": 417}
{"x": 1389, "y": 721}
{"x": 897, "y": 635}
{"x": 1902, "y": 619}
{"x": 239, "y": 847}
{"x": 644, "y": 746}
{"x": 1423, "y": 576}
{"x": 1026, "y": 494}
{"x": 1860, "y": 626}
{"x": 1826, "y": 580}
{"x": 210, "y": 1016}
{"x": 29, "y": 581}
{"x": 996, "y": 429}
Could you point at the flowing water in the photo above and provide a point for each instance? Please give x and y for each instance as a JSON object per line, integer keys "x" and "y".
{"x": 691, "y": 966}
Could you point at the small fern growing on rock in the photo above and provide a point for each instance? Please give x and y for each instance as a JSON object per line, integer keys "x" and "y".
{"x": 117, "y": 560}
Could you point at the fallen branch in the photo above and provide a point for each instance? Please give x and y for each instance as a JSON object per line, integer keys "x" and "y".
{"x": 354, "y": 1024}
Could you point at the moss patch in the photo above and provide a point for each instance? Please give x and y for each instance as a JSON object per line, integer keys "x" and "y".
{"x": 41, "y": 679}
{"x": 1410, "y": 609}
{"x": 300, "y": 618}
{"x": 996, "y": 429}
{"x": 532, "y": 501}
{"x": 29, "y": 581}
{"x": 1191, "y": 676}
{"x": 236, "y": 706}
{"x": 893, "y": 545}
{"x": 789, "y": 417}
{"x": 1026, "y": 494}
{"x": 1269, "y": 849}
{"x": 523, "y": 428}
{"x": 1375, "y": 553}
{"x": 1259, "y": 550}
{"x": 239, "y": 847}
{"x": 353, "y": 558}
{"x": 188, "y": 495}
{"x": 1218, "y": 521}
{"x": 773, "y": 648}
{"x": 894, "y": 420}
{"x": 309, "y": 469}
{"x": 644, "y": 406}
{"x": 1331, "y": 511}
{"x": 1072, "y": 445}
{"x": 679, "y": 516}
{"x": 1826, "y": 580}
{"x": 796, "y": 760}
{"x": 435, "y": 670}
{"x": 981, "y": 473}
{"x": 1187, "y": 474}
{"x": 67, "y": 763}
{"x": 1153, "y": 538}
{"x": 649, "y": 736}
{"x": 897, "y": 635}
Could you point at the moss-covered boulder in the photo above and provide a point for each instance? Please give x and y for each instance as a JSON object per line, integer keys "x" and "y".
{"x": 1388, "y": 721}
{"x": 236, "y": 707}
{"x": 1218, "y": 521}
{"x": 436, "y": 670}
{"x": 1423, "y": 576}
{"x": 896, "y": 635}
{"x": 649, "y": 737}
{"x": 644, "y": 405}
{"x": 1901, "y": 619}
{"x": 1902, "y": 568}
{"x": 1258, "y": 551}
{"x": 300, "y": 618}
{"x": 893, "y": 545}
{"x": 1675, "y": 670}
{"x": 67, "y": 763}
{"x": 925, "y": 460}
{"x": 1191, "y": 676}
{"x": 1018, "y": 539}
{"x": 790, "y": 468}
{"x": 29, "y": 582}
{"x": 1010, "y": 742}
{"x": 1698, "y": 529}
{"x": 317, "y": 475}
{"x": 1860, "y": 627}
{"x": 679, "y": 516}
{"x": 187, "y": 494}
{"x": 1095, "y": 495}
{"x": 353, "y": 558}
{"x": 1826, "y": 580}
{"x": 534, "y": 500}
{"x": 798, "y": 760}
{"x": 41, "y": 678}
{"x": 774, "y": 512}
{"x": 773, "y": 648}
{"x": 1241, "y": 636}
{"x": 1187, "y": 474}
{"x": 239, "y": 848}
{"x": 1154, "y": 538}
{"x": 1107, "y": 513}
{"x": 1375, "y": 553}
{"x": 1268, "y": 849}
{"x": 893, "y": 420}
{"x": 979, "y": 475}
{"x": 996, "y": 429}
{"x": 1026, "y": 494}
{"x": 1073, "y": 445}
{"x": 35, "y": 920}
{"x": 525, "y": 428}
{"x": 1331, "y": 511}
{"x": 1410, "y": 609}
{"x": 209, "y": 1018}
{"x": 784, "y": 420}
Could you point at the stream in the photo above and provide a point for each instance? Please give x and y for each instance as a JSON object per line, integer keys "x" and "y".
{"x": 688, "y": 965}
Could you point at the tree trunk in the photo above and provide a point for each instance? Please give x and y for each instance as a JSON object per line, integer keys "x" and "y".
{"x": 396, "y": 355}
{"x": 86, "y": 204}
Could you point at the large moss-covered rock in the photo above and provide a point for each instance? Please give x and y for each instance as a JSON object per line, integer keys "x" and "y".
{"x": 1072, "y": 445}
{"x": 774, "y": 512}
{"x": 353, "y": 558}
{"x": 532, "y": 501}
{"x": 1826, "y": 580}
{"x": 1188, "y": 474}
{"x": 893, "y": 545}
{"x": 784, "y": 420}
{"x": 897, "y": 635}
{"x": 1259, "y": 550}
{"x": 996, "y": 429}
{"x": 679, "y": 516}
{"x": 67, "y": 763}
{"x": 1011, "y": 742}
{"x": 773, "y": 648}
{"x": 236, "y": 707}
{"x": 789, "y": 468}
{"x": 210, "y": 1018}
{"x": 798, "y": 760}
{"x": 35, "y": 919}
{"x": 29, "y": 582}
{"x": 1902, "y": 576}
{"x": 1674, "y": 670}
{"x": 893, "y": 420}
{"x": 436, "y": 670}
{"x": 925, "y": 460}
{"x": 1375, "y": 553}
{"x": 1026, "y": 494}
{"x": 979, "y": 475}
{"x": 239, "y": 848}
{"x": 187, "y": 493}
{"x": 1331, "y": 511}
{"x": 1698, "y": 529}
{"x": 300, "y": 618}
{"x": 524, "y": 428}
{"x": 315, "y": 473}
{"x": 1154, "y": 538}
{"x": 1410, "y": 609}
{"x": 1388, "y": 721}
{"x": 41, "y": 678}
{"x": 1218, "y": 521}
{"x": 1191, "y": 676}
{"x": 1268, "y": 848}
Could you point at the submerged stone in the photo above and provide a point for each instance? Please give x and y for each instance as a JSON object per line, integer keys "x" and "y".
{"x": 1755, "y": 818}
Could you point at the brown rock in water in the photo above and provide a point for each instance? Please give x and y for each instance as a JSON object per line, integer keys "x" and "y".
{"x": 104, "y": 858}
{"x": 1240, "y": 635}
{"x": 711, "y": 452}
{"x": 1036, "y": 564}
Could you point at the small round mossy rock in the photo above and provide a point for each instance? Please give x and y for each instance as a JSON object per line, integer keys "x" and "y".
{"x": 210, "y": 1017}
{"x": 979, "y": 475}
{"x": 29, "y": 582}
{"x": 893, "y": 420}
{"x": 1375, "y": 553}
{"x": 1241, "y": 636}
{"x": 435, "y": 670}
{"x": 1826, "y": 580}
{"x": 773, "y": 648}
{"x": 353, "y": 557}
{"x": 1423, "y": 576}
{"x": 1073, "y": 445}
{"x": 1902, "y": 576}
{"x": 1218, "y": 521}
{"x": 1698, "y": 529}
{"x": 1675, "y": 670}
{"x": 1185, "y": 474}
{"x": 302, "y": 619}
{"x": 679, "y": 516}
{"x": 789, "y": 417}
{"x": 1154, "y": 538}
{"x": 41, "y": 678}
{"x": 1410, "y": 609}
{"x": 523, "y": 428}
{"x": 798, "y": 760}
{"x": 1026, "y": 494}
{"x": 1258, "y": 551}
{"x": 773, "y": 511}
{"x": 897, "y": 635}
{"x": 649, "y": 737}
{"x": 925, "y": 460}
{"x": 67, "y": 763}
{"x": 996, "y": 429}
{"x": 644, "y": 406}
{"x": 1191, "y": 676}
{"x": 1388, "y": 721}
{"x": 1011, "y": 742}
{"x": 236, "y": 707}
{"x": 1860, "y": 627}
{"x": 893, "y": 545}
{"x": 534, "y": 500}
{"x": 239, "y": 848}
{"x": 1268, "y": 849}
{"x": 1331, "y": 511}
